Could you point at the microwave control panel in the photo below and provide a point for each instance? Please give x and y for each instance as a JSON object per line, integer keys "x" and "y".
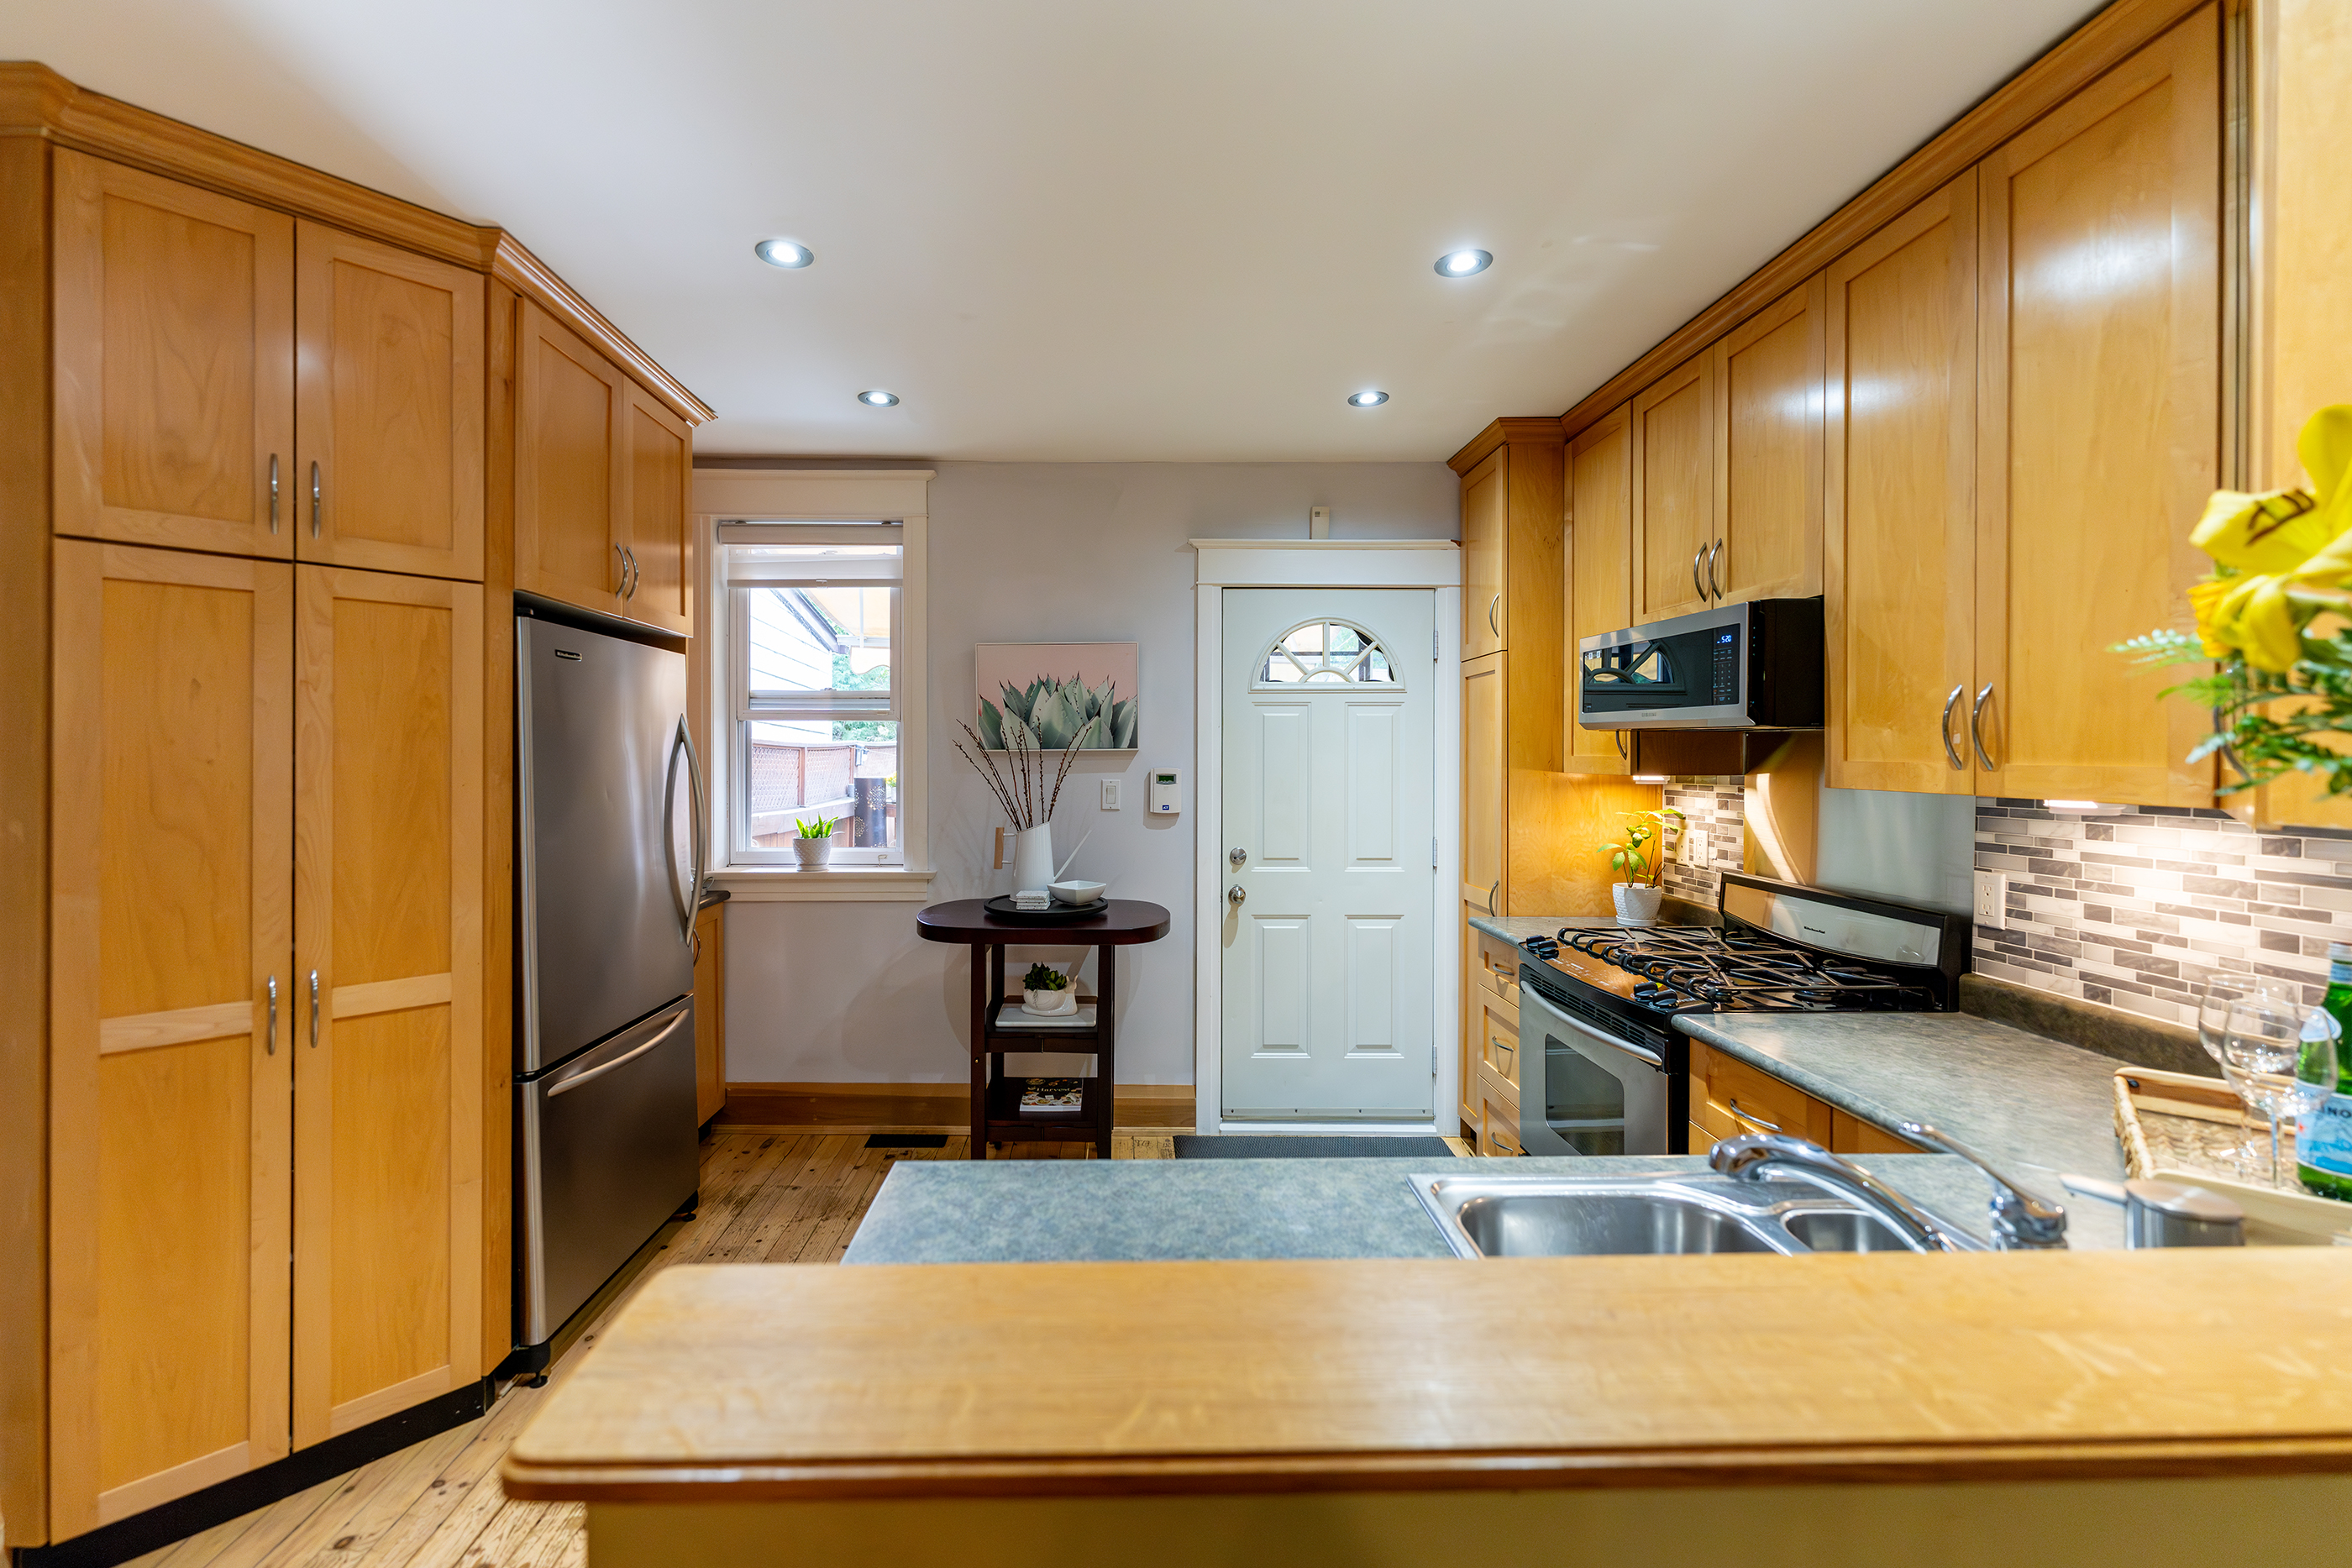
{"x": 1724, "y": 674}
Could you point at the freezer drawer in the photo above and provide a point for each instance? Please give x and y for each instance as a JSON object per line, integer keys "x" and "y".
{"x": 608, "y": 1149}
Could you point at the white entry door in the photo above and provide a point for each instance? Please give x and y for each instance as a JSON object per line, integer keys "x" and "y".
{"x": 1329, "y": 713}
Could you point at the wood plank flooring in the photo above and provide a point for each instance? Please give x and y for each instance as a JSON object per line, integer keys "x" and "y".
{"x": 769, "y": 1195}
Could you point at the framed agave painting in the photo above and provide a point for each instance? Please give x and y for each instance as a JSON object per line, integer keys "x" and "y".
{"x": 1055, "y": 691}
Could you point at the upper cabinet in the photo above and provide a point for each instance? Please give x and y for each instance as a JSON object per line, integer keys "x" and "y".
{"x": 172, "y": 342}
{"x": 1600, "y": 575}
{"x": 1675, "y": 542}
{"x": 601, "y": 476}
{"x": 2099, "y": 427}
{"x": 1901, "y": 449}
{"x": 1486, "y": 519}
{"x": 1767, "y": 452}
{"x": 388, "y": 408}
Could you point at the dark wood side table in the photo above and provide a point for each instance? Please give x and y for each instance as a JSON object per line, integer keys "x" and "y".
{"x": 995, "y": 1100}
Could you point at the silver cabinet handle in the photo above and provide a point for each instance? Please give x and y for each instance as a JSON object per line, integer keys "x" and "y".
{"x": 314, "y": 498}
{"x": 1952, "y": 753}
{"x": 1491, "y": 892}
{"x": 622, "y": 555}
{"x": 1713, "y": 586}
{"x": 1696, "y": 586}
{"x": 269, "y": 1040}
{"x": 1237, "y": 895}
{"x": 314, "y": 1009}
{"x": 1976, "y": 727}
{"x": 1752, "y": 1116}
{"x": 1492, "y": 606}
{"x": 634, "y": 575}
{"x": 273, "y": 492}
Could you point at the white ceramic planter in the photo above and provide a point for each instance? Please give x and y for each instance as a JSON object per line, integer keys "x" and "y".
{"x": 1051, "y": 1004}
{"x": 1637, "y": 903}
{"x": 812, "y": 852}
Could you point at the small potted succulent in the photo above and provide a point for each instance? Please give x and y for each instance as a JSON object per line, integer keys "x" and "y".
{"x": 1047, "y": 992}
{"x": 1640, "y": 856}
{"x": 812, "y": 843}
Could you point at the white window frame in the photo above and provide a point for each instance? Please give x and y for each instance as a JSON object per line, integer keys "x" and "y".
{"x": 837, "y": 497}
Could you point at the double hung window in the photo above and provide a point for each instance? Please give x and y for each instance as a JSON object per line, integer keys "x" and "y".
{"x": 814, "y": 616}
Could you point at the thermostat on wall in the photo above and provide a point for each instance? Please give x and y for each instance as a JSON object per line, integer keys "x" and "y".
{"x": 1167, "y": 790}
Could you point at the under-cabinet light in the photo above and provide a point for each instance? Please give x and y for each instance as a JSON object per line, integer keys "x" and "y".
{"x": 1653, "y": 778}
{"x": 2078, "y": 807}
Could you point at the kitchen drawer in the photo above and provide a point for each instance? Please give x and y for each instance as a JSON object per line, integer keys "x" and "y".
{"x": 1498, "y": 1116}
{"x": 1761, "y": 1102}
{"x": 1850, "y": 1134}
{"x": 1499, "y": 966}
{"x": 1498, "y": 1042}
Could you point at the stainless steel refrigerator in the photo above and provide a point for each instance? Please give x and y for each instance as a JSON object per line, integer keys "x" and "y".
{"x": 611, "y": 853}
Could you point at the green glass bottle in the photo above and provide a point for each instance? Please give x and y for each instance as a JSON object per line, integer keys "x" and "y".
{"x": 2323, "y": 1140}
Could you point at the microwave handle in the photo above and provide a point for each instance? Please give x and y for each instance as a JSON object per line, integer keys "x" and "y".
{"x": 1642, "y": 1052}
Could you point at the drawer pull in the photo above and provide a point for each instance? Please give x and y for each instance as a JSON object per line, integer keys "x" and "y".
{"x": 1751, "y": 1117}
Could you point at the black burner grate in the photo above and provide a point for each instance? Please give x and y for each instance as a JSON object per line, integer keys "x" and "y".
{"x": 1745, "y": 971}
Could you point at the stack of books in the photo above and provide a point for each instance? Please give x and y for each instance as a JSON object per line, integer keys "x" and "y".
{"x": 1052, "y": 1096}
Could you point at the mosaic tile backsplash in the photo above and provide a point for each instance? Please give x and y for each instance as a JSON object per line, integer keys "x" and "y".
{"x": 1717, "y": 809}
{"x": 2136, "y": 908}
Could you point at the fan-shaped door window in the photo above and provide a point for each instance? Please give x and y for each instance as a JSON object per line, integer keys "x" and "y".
{"x": 1326, "y": 653}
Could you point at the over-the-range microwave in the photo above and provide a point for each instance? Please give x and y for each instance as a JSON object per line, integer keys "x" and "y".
{"x": 1756, "y": 665}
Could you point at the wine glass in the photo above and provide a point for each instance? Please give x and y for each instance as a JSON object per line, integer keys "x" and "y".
{"x": 2220, "y": 994}
{"x": 2280, "y": 1056}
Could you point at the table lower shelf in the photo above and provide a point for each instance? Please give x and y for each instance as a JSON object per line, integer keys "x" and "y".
{"x": 1006, "y": 1124}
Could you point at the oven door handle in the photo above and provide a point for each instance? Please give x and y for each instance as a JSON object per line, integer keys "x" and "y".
{"x": 1640, "y": 1052}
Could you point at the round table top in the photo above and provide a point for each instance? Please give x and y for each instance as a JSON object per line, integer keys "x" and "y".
{"x": 1125, "y": 922}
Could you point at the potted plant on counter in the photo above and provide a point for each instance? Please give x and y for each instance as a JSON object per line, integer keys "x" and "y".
{"x": 1045, "y": 991}
{"x": 1640, "y": 857}
{"x": 813, "y": 842}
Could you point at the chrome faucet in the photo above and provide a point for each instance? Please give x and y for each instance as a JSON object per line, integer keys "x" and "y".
{"x": 1753, "y": 1156}
{"x": 2021, "y": 1221}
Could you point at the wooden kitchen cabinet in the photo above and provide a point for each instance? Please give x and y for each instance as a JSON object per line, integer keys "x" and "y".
{"x": 1485, "y": 523}
{"x": 660, "y": 473}
{"x": 387, "y": 1071}
{"x": 2099, "y": 435}
{"x": 172, "y": 911}
{"x": 1899, "y": 500}
{"x": 388, "y": 408}
{"x": 1485, "y": 767}
{"x": 1673, "y": 492}
{"x": 1768, "y": 451}
{"x": 709, "y": 1012}
{"x": 1601, "y": 576}
{"x": 172, "y": 377}
{"x": 568, "y": 465}
{"x": 1729, "y": 1096}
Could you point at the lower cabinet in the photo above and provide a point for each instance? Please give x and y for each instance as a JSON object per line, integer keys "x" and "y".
{"x": 709, "y": 1012}
{"x": 1729, "y": 1097}
{"x": 267, "y": 1029}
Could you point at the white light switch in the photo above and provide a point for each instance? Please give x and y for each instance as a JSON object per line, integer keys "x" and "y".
{"x": 1694, "y": 846}
{"x": 1992, "y": 902}
{"x": 1110, "y": 795}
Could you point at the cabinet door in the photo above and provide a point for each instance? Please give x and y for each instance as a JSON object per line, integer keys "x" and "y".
{"x": 387, "y": 1059}
{"x": 1673, "y": 492}
{"x": 709, "y": 1012}
{"x": 658, "y": 474}
{"x": 1768, "y": 451}
{"x": 388, "y": 395}
{"x": 1899, "y": 531}
{"x": 2100, "y": 435}
{"x": 1484, "y": 774}
{"x": 1600, "y": 570}
{"x": 173, "y": 319}
{"x": 570, "y": 446}
{"x": 1485, "y": 533}
{"x": 171, "y": 912}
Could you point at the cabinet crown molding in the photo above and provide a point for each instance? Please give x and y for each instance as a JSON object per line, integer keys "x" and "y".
{"x": 37, "y": 102}
{"x": 1515, "y": 431}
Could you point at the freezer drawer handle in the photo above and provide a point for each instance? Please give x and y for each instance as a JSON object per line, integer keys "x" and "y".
{"x": 569, "y": 1085}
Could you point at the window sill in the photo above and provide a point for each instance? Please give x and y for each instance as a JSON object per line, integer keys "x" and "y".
{"x": 821, "y": 885}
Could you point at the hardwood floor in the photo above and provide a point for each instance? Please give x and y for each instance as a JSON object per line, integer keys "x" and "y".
{"x": 769, "y": 1195}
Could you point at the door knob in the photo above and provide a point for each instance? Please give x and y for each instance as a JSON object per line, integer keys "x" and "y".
{"x": 1236, "y": 895}
{"x": 1236, "y": 856}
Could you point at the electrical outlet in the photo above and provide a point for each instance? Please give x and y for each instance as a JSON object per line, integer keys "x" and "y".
{"x": 1993, "y": 900}
{"x": 1110, "y": 795}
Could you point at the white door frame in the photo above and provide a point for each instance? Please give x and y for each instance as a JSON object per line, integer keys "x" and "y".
{"x": 1320, "y": 563}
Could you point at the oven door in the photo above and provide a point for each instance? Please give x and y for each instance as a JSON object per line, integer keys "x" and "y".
{"x": 1585, "y": 1093}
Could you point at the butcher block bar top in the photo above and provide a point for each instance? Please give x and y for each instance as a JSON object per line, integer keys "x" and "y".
{"x": 772, "y": 1384}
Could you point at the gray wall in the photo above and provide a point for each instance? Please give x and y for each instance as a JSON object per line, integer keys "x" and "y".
{"x": 1045, "y": 552}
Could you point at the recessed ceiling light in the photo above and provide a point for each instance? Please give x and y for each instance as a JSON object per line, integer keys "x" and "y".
{"x": 1367, "y": 399}
{"x": 784, "y": 253}
{"x": 1463, "y": 263}
{"x": 875, "y": 397}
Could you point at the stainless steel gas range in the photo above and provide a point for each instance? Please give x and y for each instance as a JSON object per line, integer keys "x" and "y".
{"x": 1602, "y": 1069}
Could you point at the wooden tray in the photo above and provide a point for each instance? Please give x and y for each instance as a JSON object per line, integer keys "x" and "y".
{"x": 2176, "y": 1127}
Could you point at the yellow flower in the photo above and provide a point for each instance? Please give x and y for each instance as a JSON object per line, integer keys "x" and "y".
{"x": 2284, "y": 541}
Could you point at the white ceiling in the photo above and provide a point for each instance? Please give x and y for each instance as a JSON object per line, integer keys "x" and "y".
{"x": 1094, "y": 229}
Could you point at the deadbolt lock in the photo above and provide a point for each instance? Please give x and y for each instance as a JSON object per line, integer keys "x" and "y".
{"x": 1236, "y": 855}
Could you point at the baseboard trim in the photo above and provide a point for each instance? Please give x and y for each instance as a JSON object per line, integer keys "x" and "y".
{"x": 917, "y": 1107}
{"x": 158, "y": 1527}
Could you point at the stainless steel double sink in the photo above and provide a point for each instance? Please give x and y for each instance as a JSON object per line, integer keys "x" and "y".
{"x": 1505, "y": 1216}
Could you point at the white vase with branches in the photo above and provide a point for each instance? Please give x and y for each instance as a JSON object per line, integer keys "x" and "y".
{"x": 1028, "y": 789}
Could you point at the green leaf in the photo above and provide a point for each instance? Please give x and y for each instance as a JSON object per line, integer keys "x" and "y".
{"x": 992, "y": 725}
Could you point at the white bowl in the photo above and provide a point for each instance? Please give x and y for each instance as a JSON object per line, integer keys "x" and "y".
{"x": 1078, "y": 892}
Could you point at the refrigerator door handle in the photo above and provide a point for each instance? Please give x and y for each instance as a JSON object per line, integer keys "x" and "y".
{"x": 701, "y": 825}
{"x": 687, "y": 898}
{"x": 567, "y": 1085}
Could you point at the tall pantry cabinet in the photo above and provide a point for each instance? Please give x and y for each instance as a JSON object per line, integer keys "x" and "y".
{"x": 253, "y": 1002}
